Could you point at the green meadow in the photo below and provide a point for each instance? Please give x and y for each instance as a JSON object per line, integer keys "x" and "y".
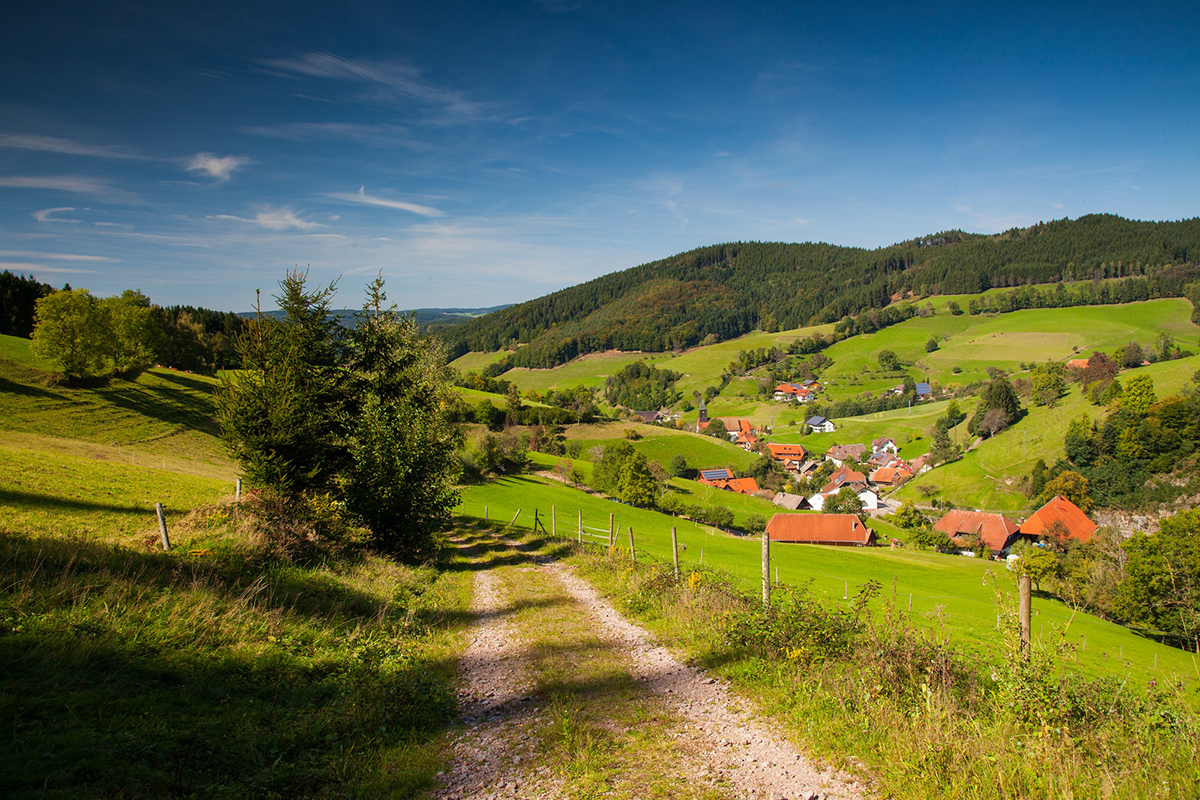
{"x": 988, "y": 477}
{"x": 962, "y": 594}
{"x": 661, "y": 444}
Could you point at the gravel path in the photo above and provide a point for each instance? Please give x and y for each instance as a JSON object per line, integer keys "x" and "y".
{"x": 497, "y": 709}
{"x": 737, "y": 749}
{"x": 494, "y": 754}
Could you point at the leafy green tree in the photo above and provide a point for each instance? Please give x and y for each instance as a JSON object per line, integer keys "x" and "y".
{"x": 908, "y": 516}
{"x": 679, "y": 466}
{"x": 73, "y": 331}
{"x": 1049, "y": 382}
{"x": 1080, "y": 443}
{"x": 1162, "y": 577}
{"x": 888, "y": 361}
{"x": 133, "y": 331}
{"x": 1138, "y": 394}
{"x": 955, "y": 308}
{"x": 1071, "y": 485}
{"x": 717, "y": 428}
{"x": 997, "y": 393}
{"x": 1039, "y": 563}
{"x": 931, "y": 345}
{"x": 608, "y": 468}
{"x": 636, "y": 483}
{"x": 846, "y": 501}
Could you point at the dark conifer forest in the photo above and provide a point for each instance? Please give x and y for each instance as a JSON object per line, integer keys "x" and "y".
{"x": 723, "y": 291}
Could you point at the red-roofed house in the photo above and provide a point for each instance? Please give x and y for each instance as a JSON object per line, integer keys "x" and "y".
{"x": 891, "y": 476}
{"x": 1075, "y": 523}
{"x": 1077, "y": 363}
{"x": 710, "y": 477}
{"x": 736, "y": 485}
{"x": 834, "y": 529}
{"x": 746, "y": 441}
{"x": 787, "y": 452}
{"x": 995, "y": 531}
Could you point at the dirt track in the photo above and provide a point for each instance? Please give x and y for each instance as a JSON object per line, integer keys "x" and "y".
{"x": 691, "y": 738}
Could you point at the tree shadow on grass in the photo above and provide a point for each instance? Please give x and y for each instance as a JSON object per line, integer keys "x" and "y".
{"x": 35, "y": 501}
{"x": 165, "y": 405}
{"x": 25, "y": 390}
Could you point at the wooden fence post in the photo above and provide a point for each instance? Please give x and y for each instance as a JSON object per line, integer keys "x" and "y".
{"x": 611, "y": 534}
{"x": 162, "y": 526}
{"x": 632, "y": 552}
{"x": 237, "y": 496}
{"x": 581, "y": 526}
{"x": 766, "y": 569}
{"x": 514, "y": 520}
{"x": 553, "y": 523}
{"x": 675, "y": 551}
{"x": 1026, "y": 612}
{"x": 485, "y": 513}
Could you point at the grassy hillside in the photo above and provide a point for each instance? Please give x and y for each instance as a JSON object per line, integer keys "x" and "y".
{"x": 660, "y": 444}
{"x": 218, "y": 669}
{"x": 989, "y": 476}
{"x": 952, "y": 590}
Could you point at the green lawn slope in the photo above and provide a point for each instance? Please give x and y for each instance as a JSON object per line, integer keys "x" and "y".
{"x": 961, "y": 593}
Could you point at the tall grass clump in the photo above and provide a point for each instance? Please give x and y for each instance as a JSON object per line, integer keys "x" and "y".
{"x": 240, "y": 664}
{"x": 912, "y": 711}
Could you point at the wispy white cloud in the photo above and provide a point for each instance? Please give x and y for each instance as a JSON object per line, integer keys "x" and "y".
{"x": 28, "y": 266}
{"x": 57, "y": 183}
{"x": 355, "y": 133}
{"x": 370, "y": 200}
{"x": 52, "y": 256}
{"x": 53, "y": 144}
{"x": 45, "y": 215}
{"x": 396, "y": 78}
{"x": 219, "y": 167}
{"x": 277, "y": 219}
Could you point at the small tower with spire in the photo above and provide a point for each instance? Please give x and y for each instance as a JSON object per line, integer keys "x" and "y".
{"x": 703, "y": 413}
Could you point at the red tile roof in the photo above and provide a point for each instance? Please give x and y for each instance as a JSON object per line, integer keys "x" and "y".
{"x": 786, "y": 452}
{"x": 1060, "y": 508}
{"x": 890, "y": 475}
{"x": 994, "y": 530}
{"x": 739, "y": 485}
{"x": 843, "y": 476}
{"x": 819, "y": 529}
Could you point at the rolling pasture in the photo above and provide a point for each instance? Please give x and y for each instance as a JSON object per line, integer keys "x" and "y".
{"x": 961, "y": 594}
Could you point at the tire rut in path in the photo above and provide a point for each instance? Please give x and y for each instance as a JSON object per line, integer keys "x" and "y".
{"x": 496, "y": 706}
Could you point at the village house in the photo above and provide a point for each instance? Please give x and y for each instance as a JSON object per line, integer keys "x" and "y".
{"x": 1059, "y": 517}
{"x": 890, "y": 476}
{"x": 715, "y": 474}
{"x": 841, "y": 453}
{"x": 840, "y": 479}
{"x": 995, "y": 531}
{"x": 820, "y": 424}
{"x": 884, "y": 444}
{"x": 845, "y": 530}
{"x": 650, "y": 417}
{"x": 792, "y": 502}
{"x": 787, "y": 454}
{"x": 789, "y": 392}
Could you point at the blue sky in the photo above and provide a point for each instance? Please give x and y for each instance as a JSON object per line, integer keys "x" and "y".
{"x": 481, "y": 154}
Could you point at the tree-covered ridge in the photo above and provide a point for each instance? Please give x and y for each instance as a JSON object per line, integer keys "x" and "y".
{"x": 723, "y": 291}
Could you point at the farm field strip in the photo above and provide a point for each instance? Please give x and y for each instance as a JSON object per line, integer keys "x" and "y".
{"x": 958, "y": 591}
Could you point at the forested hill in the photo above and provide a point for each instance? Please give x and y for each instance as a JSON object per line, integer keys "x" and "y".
{"x": 725, "y": 290}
